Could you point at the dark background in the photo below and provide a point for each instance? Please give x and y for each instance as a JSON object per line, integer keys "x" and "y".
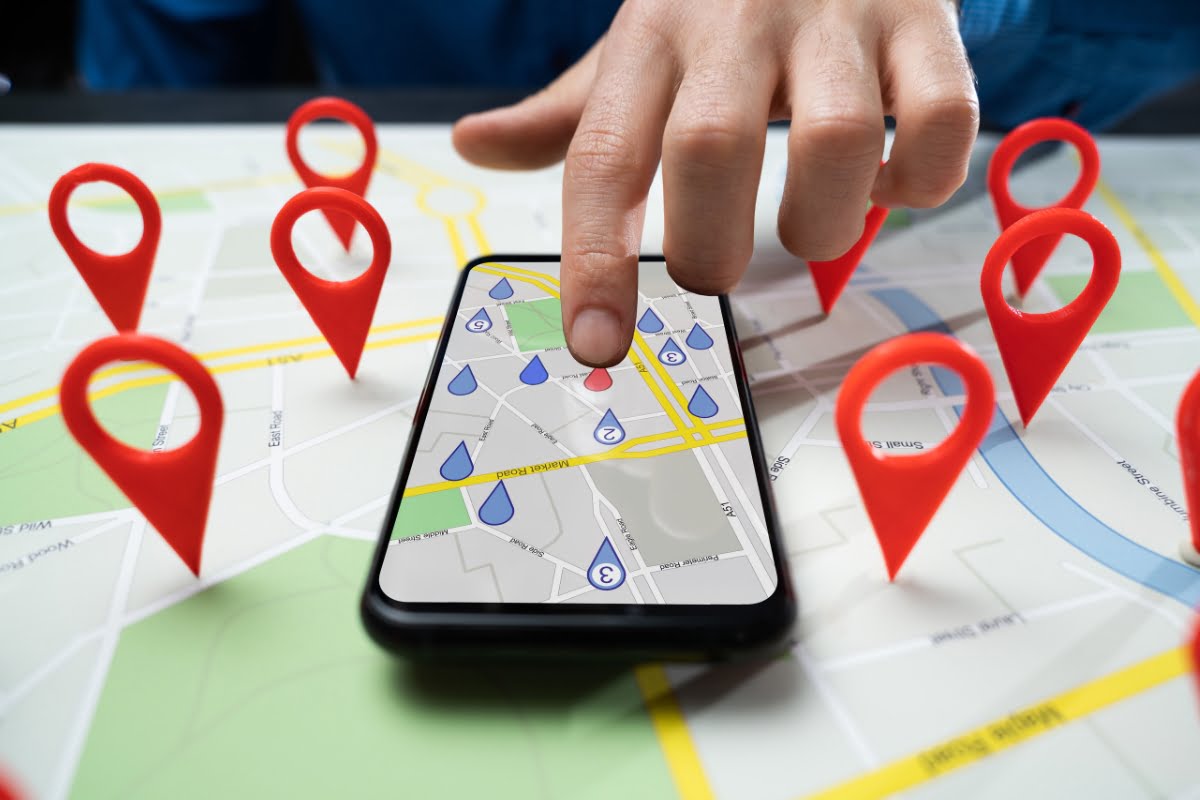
{"x": 37, "y": 55}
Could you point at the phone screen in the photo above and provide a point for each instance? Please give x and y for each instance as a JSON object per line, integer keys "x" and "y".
{"x": 538, "y": 480}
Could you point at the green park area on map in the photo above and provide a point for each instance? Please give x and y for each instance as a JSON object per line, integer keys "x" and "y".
{"x": 436, "y": 511}
{"x": 46, "y": 474}
{"x": 198, "y": 695}
{"x": 537, "y": 325}
{"x": 1140, "y": 303}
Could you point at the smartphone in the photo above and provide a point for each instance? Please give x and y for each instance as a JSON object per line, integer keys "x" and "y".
{"x": 546, "y": 507}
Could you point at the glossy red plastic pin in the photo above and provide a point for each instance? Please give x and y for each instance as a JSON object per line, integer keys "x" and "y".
{"x": 902, "y": 492}
{"x": 356, "y": 181}
{"x": 7, "y": 790}
{"x": 117, "y": 282}
{"x": 342, "y": 310}
{"x": 1187, "y": 428}
{"x": 831, "y": 277}
{"x": 172, "y": 488}
{"x": 1036, "y": 348}
{"x": 1029, "y": 260}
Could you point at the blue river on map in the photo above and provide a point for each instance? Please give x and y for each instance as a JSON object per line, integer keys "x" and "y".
{"x": 1024, "y": 477}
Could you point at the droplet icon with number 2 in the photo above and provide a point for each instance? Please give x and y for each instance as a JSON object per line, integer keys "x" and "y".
{"x": 609, "y": 431}
{"x": 480, "y": 322}
{"x": 606, "y": 571}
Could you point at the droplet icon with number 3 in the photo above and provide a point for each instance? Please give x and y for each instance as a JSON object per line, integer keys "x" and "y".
{"x": 606, "y": 571}
{"x": 670, "y": 354}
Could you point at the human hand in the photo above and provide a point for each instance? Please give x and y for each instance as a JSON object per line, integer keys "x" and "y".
{"x": 695, "y": 83}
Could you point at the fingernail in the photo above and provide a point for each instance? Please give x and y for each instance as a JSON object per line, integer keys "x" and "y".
{"x": 596, "y": 335}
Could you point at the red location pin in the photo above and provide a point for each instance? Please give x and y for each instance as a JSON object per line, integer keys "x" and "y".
{"x": 356, "y": 181}
{"x": 1187, "y": 426}
{"x": 1035, "y": 348}
{"x": 598, "y": 380}
{"x": 831, "y": 277}
{"x": 341, "y": 309}
{"x": 902, "y": 492}
{"x": 172, "y": 488}
{"x": 1194, "y": 654}
{"x": 7, "y": 790}
{"x": 1029, "y": 260}
{"x": 117, "y": 282}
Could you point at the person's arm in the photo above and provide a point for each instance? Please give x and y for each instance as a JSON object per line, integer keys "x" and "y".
{"x": 695, "y": 85}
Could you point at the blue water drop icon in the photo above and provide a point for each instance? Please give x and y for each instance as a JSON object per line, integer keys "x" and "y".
{"x": 670, "y": 354}
{"x": 502, "y": 290}
{"x": 698, "y": 338}
{"x": 458, "y": 465}
{"x": 463, "y": 382}
{"x": 702, "y": 405}
{"x": 480, "y": 322}
{"x": 497, "y": 509}
{"x": 650, "y": 323}
{"x": 606, "y": 571}
{"x": 534, "y": 372}
{"x": 609, "y": 431}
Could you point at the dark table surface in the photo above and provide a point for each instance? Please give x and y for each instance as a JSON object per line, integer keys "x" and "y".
{"x": 1175, "y": 113}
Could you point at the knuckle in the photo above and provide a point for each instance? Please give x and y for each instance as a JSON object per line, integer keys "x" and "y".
{"x": 715, "y": 140}
{"x": 591, "y": 259}
{"x": 838, "y": 133}
{"x": 601, "y": 153}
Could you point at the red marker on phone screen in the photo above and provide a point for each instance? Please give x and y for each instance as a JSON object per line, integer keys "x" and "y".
{"x": 172, "y": 488}
{"x": 118, "y": 282}
{"x": 1036, "y": 348}
{"x": 342, "y": 310}
{"x": 356, "y": 181}
{"x": 1029, "y": 259}
{"x": 902, "y": 492}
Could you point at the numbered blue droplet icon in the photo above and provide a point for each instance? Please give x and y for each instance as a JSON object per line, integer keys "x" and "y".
{"x": 670, "y": 354}
{"x": 650, "y": 323}
{"x": 497, "y": 509}
{"x": 609, "y": 431}
{"x": 534, "y": 372}
{"x": 606, "y": 571}
{"x": 458, "y": 465}
{"x": 502, "y": 290}
{"x": 463, "y": 383}
{"x": 702, "y": 405}
{"x": 480, "y": 322}
{"x": 698, "y": 338}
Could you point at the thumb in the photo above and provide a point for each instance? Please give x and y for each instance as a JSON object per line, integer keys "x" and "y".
{"x": 536, "y": 131}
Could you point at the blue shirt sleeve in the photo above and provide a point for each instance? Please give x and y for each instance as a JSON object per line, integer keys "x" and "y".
{"x": 1092, "y": 60}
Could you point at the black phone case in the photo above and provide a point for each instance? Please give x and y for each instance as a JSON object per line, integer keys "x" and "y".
{"x": 620, "y": 631}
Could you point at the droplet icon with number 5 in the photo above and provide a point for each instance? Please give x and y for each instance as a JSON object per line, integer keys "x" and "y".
{"x": 606, "y": 571}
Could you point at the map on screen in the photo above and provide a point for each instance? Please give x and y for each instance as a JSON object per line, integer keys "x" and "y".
{"x": 537, "y": 479}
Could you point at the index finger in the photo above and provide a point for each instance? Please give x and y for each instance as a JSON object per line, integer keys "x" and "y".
{"x": 609, "y": 167}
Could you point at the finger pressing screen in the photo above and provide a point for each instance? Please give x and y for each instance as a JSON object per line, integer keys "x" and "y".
{"x": 609, "y": 167}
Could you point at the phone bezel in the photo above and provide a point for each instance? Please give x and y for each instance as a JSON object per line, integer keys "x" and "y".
{"x": 628, "y": 629}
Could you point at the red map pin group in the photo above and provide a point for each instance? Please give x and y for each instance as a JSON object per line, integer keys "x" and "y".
{"x": 902, "y": 493}
{"x": 173, "y": 488}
